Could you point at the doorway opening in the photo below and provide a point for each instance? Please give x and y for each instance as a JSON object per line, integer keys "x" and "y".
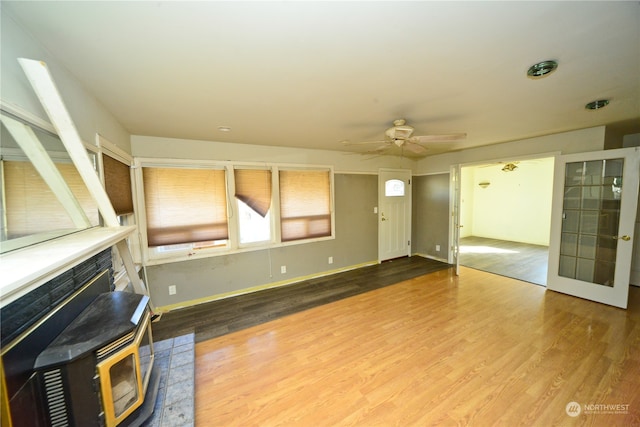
{"x": 505, "y": 217}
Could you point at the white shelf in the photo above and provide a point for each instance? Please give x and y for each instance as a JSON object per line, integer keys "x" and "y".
{"x": 23, "y": 270}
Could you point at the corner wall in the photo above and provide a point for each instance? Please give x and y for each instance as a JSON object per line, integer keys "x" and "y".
{"x": 578, "y": 141}
{"x": 89, "y": 116}
{"x": 430, "y": 217}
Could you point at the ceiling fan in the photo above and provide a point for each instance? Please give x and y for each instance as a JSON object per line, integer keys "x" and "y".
{"x": 400, "y": 135}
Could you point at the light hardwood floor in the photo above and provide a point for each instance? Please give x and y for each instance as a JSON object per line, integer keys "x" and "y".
{"x": 517, "y": 260}
{"x": 478, "y": 349}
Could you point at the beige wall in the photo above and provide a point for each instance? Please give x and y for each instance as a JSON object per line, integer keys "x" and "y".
{"x": 516, "y": 206}
{"x": 170, "y": 148}
{"x": 578, "y": 141}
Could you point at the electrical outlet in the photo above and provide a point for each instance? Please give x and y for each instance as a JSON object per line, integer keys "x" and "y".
{"x": 172, "y": 290}
{"x": 330, "y": 260}
{"x": 283, "y": 269}
{"x": 437, "y": 248}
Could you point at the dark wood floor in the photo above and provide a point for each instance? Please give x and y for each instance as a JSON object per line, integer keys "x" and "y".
{"x": 520, "y": 261}
{"x": 213, "y": 319}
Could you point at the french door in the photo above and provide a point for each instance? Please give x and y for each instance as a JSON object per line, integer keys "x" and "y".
{"x": 454, "y": 227}
{"x": 594, "y": 208}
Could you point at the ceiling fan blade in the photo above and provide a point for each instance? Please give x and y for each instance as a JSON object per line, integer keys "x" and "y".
{"x": 379, "y": 150}
{"x": 438, "y": 138}
{"x": 362, "y": 142}
{"x": 415, "y": 148}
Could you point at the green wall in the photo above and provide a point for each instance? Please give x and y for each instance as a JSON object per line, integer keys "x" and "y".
{"x": 430, "y": 223}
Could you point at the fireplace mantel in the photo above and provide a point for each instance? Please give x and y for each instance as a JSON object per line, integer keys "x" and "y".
{"x": 23, "y": 270}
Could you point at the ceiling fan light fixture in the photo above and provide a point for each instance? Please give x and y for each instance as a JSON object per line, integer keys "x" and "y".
{"x": 224, "y": 129}
{"x": 596, "y": 105}
{"x": 541, "y": 69}
{"x": 400, "y": 130}
{"x": 400, "y": 136}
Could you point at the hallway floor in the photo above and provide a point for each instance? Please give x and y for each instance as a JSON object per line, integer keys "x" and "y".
{"x": 520, "y": 261}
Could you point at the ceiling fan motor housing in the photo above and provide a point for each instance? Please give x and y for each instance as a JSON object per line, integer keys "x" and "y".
{"x": 399, "y": 132}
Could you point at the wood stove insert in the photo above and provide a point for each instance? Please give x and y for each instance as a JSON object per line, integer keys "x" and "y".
{"x": 98, "y": 370}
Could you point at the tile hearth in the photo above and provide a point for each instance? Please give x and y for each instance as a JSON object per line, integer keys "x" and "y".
{"x": 174, "y": 404}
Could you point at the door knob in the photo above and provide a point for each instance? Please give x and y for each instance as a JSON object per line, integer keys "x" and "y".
{"x": 383, "y": 218}
{"x": 625, "y": 238}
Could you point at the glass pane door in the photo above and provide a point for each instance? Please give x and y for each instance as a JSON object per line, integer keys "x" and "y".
{"x": 594, "y": 207}
{"x": 591, "y": 215}
{"x": 124, "y": 385}
{"x": 454, "y": 228}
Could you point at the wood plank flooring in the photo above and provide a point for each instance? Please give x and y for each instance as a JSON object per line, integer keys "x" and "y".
{"x": 520, "y": 261}
{"x": 478, "y": 349}
{"x": 220, "y": 317}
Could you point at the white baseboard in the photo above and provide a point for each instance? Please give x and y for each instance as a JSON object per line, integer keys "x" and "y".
{"x": 431, "y": 257}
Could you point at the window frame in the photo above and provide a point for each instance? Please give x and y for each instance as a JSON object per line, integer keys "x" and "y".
{"x": 331, "y": 204}
{"x": 159, "y": 254}
{"x": 108, "y": 148}
{"x": 151, "y": 256}
{"x": 234, "y": 226}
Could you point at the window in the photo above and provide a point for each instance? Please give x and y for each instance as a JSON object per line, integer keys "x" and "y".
{"x": 394, "y": 188}
{"x": 197, "y": 206}
{"x": 32, "y": 207}
{"x": 117, "y": 183}
{"x": 253, "y": 196}
{"x": 42, "y": 195}
{"x": 305, "y": 204}
{"x": 185, "y": 206}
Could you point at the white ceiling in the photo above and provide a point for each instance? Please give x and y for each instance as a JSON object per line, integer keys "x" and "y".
{"x": 311, "y": 74}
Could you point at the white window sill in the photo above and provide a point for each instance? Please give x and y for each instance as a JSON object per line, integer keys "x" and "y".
{"x": 23, "y": 270}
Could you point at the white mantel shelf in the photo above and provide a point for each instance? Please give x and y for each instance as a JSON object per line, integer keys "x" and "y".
{"x": 23, "y": 270}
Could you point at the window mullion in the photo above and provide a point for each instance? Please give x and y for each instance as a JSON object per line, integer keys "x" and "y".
{"x": 275, "y": 208}
{"x": 232, "y": 210}
{"x": 139, "y": 210}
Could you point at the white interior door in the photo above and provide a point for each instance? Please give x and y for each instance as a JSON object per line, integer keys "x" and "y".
{"x": 454, "y": 220}
{"x": 394, "y": 213}
{"x": 595, "y": 199}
